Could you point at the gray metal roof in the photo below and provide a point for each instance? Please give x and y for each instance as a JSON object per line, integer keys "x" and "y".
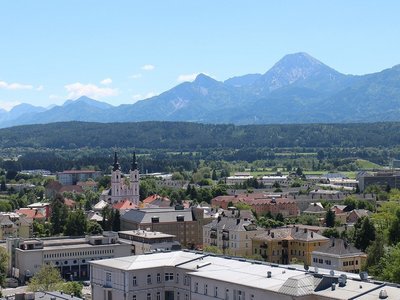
{"x": 165, "y": 215}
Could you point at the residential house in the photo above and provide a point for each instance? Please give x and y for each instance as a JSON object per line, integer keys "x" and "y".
{"x": 339, "y": 255}
{"x": 355, "y": 214}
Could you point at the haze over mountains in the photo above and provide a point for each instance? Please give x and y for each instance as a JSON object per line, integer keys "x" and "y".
{"x": 297, "y": 89}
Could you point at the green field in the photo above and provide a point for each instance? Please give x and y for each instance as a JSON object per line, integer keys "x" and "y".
{"x": 365, "y": 164}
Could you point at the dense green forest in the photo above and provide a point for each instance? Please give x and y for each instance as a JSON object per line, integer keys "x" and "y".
{"x": 171, "y": 146}
{"x": 182, "y": 136}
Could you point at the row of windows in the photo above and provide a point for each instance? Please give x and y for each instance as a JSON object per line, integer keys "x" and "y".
{"x": 237, "y": 294}
{"x": 349, "y": 263}
{"x": 168, "y": 277}
{"x": 149, "y": 296}
{"x": 321, "y": 261}
{"x": 80, "y": 253}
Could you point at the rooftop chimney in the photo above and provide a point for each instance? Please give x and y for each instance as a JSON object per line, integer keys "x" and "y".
{"x": 269, "y": 274}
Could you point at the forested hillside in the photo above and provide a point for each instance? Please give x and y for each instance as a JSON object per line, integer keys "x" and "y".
{"x": 182, "y": 136}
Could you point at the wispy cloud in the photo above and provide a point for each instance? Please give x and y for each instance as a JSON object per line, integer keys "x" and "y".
{"x": 187, "y": 77}
{"x": 15, "y": 86}
{"x": 136, "y": 76}
{"x": 76, "y": 90}
{"x": 8, "y": 105}
{"x": 138, "y": 97}
{"x": 106, "y": 81}
{"x": 148, "y": 67}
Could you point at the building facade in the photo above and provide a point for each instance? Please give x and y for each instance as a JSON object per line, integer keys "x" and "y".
{"x": 72, "y": 177}
{"x": 185, "y": 224}
{"x": 261, "y": 203}
{"x": 195, "y": 276}
{"x": 338, "y": 255}
{"x": 287, "y": 245}
{"x": 231, "y": 235}
{"x": 70, "y": 255}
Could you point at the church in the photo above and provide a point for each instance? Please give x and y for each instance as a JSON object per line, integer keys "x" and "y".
{"x": 123, "y": 188}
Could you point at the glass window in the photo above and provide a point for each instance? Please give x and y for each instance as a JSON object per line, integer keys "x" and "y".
{"x": 148, "y": 296}
{"x": 134, "y": 281}
{"x": 216, "y": 291}
{"x": 149, "y": 279}
{"x": 158, "y": 296}
{"x": 169, "y": 276}
{"x": 158, "y": 277}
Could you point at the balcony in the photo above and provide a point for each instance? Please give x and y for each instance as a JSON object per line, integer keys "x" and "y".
{"x": 225, "y": 236}
{"x": 213, "y": 235}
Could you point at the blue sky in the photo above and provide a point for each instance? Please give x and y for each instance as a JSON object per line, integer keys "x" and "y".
{"x": 122, "y": 51}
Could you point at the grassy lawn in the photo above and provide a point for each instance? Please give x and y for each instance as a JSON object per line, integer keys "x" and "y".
{"x": 365, "y": 164}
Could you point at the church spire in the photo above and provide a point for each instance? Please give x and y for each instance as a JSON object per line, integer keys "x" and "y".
{"x": 116, "y": 163}
{"x": 134, "y": 163}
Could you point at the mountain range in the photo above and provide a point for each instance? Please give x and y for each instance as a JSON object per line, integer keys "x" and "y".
{"x": 297, "y": 89}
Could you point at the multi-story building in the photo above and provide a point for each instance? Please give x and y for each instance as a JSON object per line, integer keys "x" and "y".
{"x": 231, "y": 235}
{"x": 195, "y": 276}
{"x": 69, "y": 255}
{"x": 270, "y": 180}
{"x": 287, "y": 244}
{"x": 382, "y": 179}
{"x": 143, "y": 241}
{"x": 72, "y": 177}
{"x": 15, "y": 225}
{"x": 261, "y": 203}
{"x": 185, "y": 224}
{"x": 339, "y": 255}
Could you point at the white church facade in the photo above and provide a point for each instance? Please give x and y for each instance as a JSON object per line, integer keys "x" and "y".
{"x": 122, "y": 187}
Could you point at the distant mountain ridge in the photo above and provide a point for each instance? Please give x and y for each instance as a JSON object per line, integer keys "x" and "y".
{"x": 297, "y": 89}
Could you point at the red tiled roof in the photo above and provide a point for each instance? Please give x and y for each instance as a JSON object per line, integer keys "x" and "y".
{"x": 126, "y": 204}
{"x": 30, "y": 213}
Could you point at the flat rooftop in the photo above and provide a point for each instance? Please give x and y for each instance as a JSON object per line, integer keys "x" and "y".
{"x": 286, "y": 280}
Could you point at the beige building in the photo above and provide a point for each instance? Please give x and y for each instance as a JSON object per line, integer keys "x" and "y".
{"x": 184, "y": 275}
{"x": 338, "y": 255}
{"x": 70, "y": 255}
{"x": 287, "y": 245}
{"x": 231, "y": 235}
{"x": 15, "y": 225}
{"x": 185, "y": 224}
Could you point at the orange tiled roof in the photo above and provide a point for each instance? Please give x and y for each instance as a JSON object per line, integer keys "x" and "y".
{"x": 30, "y": 213}
{"x": 126, "y": 204}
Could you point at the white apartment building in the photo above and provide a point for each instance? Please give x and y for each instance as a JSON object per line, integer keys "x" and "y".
{"x": 196, "y": 276}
